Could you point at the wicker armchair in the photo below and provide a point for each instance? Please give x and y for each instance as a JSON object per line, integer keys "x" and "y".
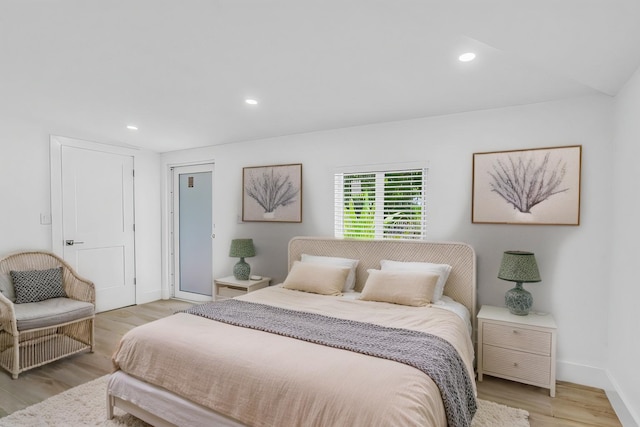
{"x": 35, "y": 333}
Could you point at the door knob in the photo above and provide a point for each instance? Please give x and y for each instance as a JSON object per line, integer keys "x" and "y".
{"x": 72, "y": 242}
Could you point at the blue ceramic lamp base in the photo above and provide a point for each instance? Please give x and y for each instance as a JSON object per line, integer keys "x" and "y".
{"x": 518, "y": 300}
{"x": 241, "y": 270}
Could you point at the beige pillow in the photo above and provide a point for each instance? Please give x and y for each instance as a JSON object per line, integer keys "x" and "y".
{"x": 316, "y": 278}
{"x": 442, "y": 269}
{"x": 350, "y": 283}
{"x": 414, "y": 288}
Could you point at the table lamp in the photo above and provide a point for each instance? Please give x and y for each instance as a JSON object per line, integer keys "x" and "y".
{"x": 242, "y": 248}
{"x": 519, "y": 267}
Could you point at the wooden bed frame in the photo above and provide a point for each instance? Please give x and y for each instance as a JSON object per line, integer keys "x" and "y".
{"x": 460, "y": 286}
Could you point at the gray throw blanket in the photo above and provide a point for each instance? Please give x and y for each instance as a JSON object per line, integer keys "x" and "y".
{"x": 430, "y": 354}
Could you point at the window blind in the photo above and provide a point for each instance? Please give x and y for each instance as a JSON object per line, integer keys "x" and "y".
{"x": 386, "y": 204}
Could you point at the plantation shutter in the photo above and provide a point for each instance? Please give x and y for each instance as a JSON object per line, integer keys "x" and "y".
{"x": 381, "y": 204}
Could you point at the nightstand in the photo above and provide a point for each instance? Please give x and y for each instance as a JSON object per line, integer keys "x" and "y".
{"x": 229, "y": 287}
{"x": 517, "y": 348}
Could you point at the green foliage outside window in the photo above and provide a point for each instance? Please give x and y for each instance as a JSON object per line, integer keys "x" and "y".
{"x": 401, "y": 205}
{"x": 359, "y": 222}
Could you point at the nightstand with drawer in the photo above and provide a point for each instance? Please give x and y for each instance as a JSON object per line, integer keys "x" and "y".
{"x": 517, "y": 348}
{"x": 229, "y": 287}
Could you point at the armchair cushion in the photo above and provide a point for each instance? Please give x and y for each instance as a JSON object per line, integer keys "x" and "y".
{"x": 6, "y": 287}
{"x": 37, "y": 285}
{"x": 51, "y": 312}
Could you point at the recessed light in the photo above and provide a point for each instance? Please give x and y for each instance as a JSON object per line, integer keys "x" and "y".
{"x": 251, "y": 101}
{"x": 466, "y": 57}
{"x": 132, "y": 127}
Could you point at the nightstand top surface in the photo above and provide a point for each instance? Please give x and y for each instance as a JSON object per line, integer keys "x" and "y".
{"x": 489, "y": 312}
{"x": 230, "y": 280}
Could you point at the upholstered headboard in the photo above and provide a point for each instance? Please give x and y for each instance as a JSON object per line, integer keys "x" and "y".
{"x": 460, "y": 286}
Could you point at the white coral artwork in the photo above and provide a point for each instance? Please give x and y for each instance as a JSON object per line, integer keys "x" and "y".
{"x": 272, "y": 193}
{"x": 535, "y": 186}
{"x": 524, "y": 183}
{"x": 271, "y": 190}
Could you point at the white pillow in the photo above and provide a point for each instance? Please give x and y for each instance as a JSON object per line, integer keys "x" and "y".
{"x": 411, "y": 287}
{"x": 316, "y": 278}
{"x": 442, "y": 269}
{"x": 452, "y": 305}
{"x": 350, "y": 282}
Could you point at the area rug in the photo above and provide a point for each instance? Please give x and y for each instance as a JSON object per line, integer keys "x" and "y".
{"x": 85, "y": 405}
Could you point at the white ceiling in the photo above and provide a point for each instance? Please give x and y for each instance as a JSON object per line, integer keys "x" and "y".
{"x": 181, "y": 69}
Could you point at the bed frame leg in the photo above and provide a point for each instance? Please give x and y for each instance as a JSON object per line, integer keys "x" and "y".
{"x": 110, "y": 404}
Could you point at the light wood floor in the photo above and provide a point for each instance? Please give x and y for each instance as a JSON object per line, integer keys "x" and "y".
{"x": 574, "y": 405}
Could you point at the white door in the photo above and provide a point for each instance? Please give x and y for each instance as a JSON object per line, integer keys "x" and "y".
{"x": 97, "y": 219}
{"x": 193, "y": 232}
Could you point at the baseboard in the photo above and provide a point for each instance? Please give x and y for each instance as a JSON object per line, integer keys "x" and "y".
{"x": 625, "y": 412}
{"x": 600, "y": 378}
{"x": 583, "y": 374}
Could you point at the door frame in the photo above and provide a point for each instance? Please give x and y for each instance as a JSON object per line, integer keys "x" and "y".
{"x": 175, "y": 231}
{"x": 56, "y": 143}
{"x": 167, "y": 222}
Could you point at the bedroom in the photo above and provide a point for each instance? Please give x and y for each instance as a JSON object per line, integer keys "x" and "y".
{"x": 587, "y": 270}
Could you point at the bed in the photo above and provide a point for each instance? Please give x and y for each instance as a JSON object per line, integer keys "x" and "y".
{"x": 190, "y": 370}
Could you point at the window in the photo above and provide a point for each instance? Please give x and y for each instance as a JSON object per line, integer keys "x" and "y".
{"x": 385, "y": 204}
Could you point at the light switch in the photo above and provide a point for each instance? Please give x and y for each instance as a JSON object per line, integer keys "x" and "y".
{"x": 45, "y": 219}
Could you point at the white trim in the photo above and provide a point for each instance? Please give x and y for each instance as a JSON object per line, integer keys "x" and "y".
{"x": 55, "y": 159}
{"x": 600, "y": 378}
{"x": 166, "y": 221}
{"x": 377, "y": 176}
{"x": 175, "y": 228}
{"x": 381, "y": 167}
{"x": 621, "y": 403}
{"x": 583, "y": 374}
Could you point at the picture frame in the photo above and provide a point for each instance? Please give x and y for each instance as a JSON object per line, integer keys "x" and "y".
{"x": 538, "y": 186}
{"x": 272, "y": 193}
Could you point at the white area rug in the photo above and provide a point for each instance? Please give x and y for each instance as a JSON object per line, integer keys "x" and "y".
{"x": 86, "y": 405}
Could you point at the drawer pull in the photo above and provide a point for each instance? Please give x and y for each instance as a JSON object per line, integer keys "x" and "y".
{"x": 514, "y": 331}
{"x": 515, "y": 364}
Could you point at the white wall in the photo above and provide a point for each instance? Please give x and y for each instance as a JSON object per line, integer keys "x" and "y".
{"x": 24, "y": 185}
{"x": 570, "y": 259}
{"x": 623, "y": 286}
{"x": 26, "y": 191}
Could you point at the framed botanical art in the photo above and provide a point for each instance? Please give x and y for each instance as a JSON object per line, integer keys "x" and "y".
{"x": 534, "y": 186}
{"x": 272, "y": 193}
